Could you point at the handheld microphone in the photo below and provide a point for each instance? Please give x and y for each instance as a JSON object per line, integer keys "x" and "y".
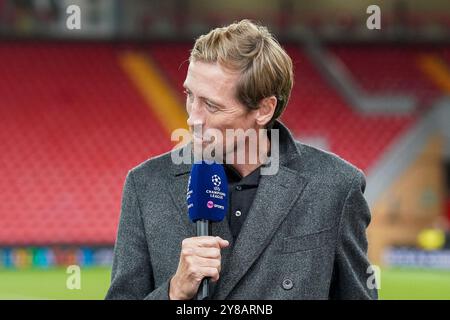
{"x": 207, "y": 199}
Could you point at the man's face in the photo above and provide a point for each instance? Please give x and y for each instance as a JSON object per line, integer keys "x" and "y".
{"x": 211, "y": 101}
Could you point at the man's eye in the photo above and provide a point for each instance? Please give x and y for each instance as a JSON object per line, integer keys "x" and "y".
{"x": 187, "y": 93}
{"x": 211, "y": 107}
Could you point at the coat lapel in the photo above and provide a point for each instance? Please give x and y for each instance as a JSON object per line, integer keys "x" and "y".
{"x": 263, "y": 220}
{"x": 177, "y": 191}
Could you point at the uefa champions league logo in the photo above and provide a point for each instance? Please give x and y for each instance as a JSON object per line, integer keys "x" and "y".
{"x": 216, "y": 180}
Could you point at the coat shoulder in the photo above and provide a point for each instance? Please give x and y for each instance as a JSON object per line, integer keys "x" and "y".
{"x": 153, "y": 167}
{"x": 326, "y": 165}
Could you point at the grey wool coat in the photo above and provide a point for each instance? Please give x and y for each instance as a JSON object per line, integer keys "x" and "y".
{"x": 304, "y": 236}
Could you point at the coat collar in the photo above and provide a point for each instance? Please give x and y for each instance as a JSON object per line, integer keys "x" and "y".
{"x": 264, "y": 217}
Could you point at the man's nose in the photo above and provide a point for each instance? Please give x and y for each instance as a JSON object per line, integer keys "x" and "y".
{"x": 196, "y": 116}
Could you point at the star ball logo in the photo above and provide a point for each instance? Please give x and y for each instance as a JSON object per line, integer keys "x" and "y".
{"x": 216, "y": 180}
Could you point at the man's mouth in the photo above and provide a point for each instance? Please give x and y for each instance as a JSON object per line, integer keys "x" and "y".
{"x": 197, "y": 138}
{"x": 202, "y": 138}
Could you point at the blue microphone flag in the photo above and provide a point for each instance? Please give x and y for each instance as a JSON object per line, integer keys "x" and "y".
{"x": 207, "y": 194}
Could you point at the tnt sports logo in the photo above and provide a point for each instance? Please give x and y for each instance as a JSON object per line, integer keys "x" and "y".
{"x": 210, "y": 204}
{"x": 216, "y": 180}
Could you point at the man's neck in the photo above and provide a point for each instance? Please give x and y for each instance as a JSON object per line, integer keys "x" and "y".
{"x": 247, "y": 168}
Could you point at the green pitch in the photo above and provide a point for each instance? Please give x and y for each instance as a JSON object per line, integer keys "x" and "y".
{"x": 415, "y": 284}
{"x": 51, "y": 284}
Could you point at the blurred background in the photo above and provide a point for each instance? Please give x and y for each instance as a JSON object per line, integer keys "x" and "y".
{"x": 80, "y": 107}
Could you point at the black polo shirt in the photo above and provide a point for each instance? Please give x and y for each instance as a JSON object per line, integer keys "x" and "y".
{"x": 241, "y": 193}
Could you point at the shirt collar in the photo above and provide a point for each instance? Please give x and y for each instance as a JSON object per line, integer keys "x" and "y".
{"x": 234, "y": 176}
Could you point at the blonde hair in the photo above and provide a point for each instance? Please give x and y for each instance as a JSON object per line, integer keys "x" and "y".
{"x": 266, "y": 69}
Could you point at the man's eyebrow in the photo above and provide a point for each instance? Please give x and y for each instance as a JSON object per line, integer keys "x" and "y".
{"x": 214, "y": 102}
{"x": 206, "y": 98}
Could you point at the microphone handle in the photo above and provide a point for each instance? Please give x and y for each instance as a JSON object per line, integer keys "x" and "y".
{"x": 203, "y": 229}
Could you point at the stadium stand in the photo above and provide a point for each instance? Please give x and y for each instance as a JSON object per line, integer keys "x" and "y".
{"x": 390, "y": 69}
{"x": 72, "y": 140}
{"x": 70, "y": 132}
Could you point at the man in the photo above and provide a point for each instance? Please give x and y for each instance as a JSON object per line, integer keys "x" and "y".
{"x": 296, "y": 234}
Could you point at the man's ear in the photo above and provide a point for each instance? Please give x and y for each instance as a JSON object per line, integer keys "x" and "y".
{"x": 266, "y": 110}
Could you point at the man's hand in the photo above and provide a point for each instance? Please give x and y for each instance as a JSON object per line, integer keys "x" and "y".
{"x": 200, "y": 257}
